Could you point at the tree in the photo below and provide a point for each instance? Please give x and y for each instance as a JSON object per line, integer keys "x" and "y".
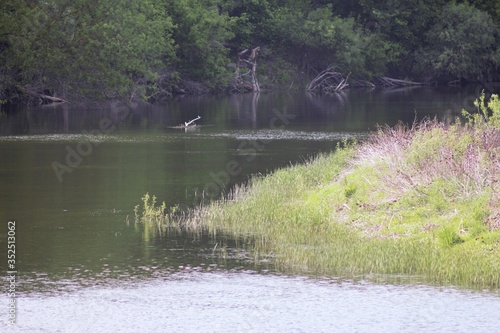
{"x": 492, "y": 7}
{"x": 84, "y": 47}
{"x": 16, "y": 17}
{"x": 75, "y": 48}
{"x": 399, "y": 26}
{"x": 250, "y": 17}
{"x": 201, "y": 32}
{"x": 463, "y": 44}
{"x": 317, "y": 39}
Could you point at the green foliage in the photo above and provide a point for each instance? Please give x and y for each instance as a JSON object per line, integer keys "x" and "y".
{"x": 463, "y": 44}
{"x": 200, "y": 34}
{"x": 448, "y": 237}
{"x": 85, "y": 47}
{"x": 249, "y": 16}
{"x": 350, "y": 190}
{"x": 490, "y": 6}
{"x": 276, "y": 72}
{"x": 317, "y": 38}
{"x": 156, "y": 218}
{"x": 150, "y": 211}
{"x": 127, "y": 48}
{"x": 488, "y": 113}
{"x": 397, "y": 27}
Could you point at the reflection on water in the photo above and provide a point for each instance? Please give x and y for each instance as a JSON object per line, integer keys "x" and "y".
{"x": 77, "y": 230}
{"x": 149, "y": 257}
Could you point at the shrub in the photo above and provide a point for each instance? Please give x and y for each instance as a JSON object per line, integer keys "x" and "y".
{"x": 488, "y": 112}
{"x": 449, "y": 237}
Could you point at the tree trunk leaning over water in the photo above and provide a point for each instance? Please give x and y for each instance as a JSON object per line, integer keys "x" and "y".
{"x": 390, "y": 82}
{"x": 42, "y": 97}
{"x": 329, "y": 81}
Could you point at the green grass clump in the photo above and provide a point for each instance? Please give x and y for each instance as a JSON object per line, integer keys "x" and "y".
{"x": 156, "y": 218}
{"x": 419, "y": 201}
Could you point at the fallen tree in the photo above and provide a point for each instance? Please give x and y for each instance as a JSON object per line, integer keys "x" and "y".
{"x": 390, "y": 82}
{"x": 42, "y": 97}
{"x": 329, "y": 81}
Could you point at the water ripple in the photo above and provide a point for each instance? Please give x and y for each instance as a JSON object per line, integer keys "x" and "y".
{"x": 248, "y": 302}
{"x": 262, "y": 135}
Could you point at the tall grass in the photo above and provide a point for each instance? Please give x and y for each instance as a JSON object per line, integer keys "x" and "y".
{"x": 420, "y": 200}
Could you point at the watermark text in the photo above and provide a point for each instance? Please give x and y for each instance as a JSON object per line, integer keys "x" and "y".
{"x": 11, "y": 271}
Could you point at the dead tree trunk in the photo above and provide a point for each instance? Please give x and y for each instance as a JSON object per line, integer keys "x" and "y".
{"x": 328, "y": 81}
{"x": 255, "y": 82}
{"x": 188, "y": 123}
{"x": 390, "y": 82}
{"x": 43, "y": 97}
{"x": 246, "y": 69}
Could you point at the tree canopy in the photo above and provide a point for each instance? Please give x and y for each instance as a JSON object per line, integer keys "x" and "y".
{"x": 151, "y": 48}
{"x": 462, "y": 44}
{"x": 67, "y": 47}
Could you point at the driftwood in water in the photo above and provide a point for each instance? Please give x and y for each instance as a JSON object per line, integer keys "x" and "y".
{"x": 329, "y": 81}
{"x": 247, "y": 80}
{"x": 191, "y": 122}
{"x": 188, "y": 125}
{"x": 390, "y": 82}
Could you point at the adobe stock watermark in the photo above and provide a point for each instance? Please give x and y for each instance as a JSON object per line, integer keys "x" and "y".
{"x": 77, "y": 152}
{"x": 249, "y": 148}
{"x": 11, "y": 271}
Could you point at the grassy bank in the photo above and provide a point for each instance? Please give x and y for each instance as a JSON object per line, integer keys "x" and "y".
{"x": 421, "y": 201}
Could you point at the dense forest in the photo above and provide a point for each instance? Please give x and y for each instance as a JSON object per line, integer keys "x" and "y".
{"x": 152, "y": 49}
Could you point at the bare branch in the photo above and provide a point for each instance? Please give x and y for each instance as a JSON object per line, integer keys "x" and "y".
{"x": 191, "y": 121}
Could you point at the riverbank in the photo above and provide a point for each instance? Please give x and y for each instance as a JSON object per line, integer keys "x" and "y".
{"x": 420, "y": 201}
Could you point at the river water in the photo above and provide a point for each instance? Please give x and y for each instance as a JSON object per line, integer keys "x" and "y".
{"x": 71, "y": 176}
